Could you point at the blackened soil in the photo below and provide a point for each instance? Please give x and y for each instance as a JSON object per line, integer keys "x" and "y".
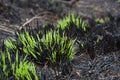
{"x": 106, "y": 62}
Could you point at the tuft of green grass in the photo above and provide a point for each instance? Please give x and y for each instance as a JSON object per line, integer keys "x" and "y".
{"x": 24, "y": 71}
{"x": 24, "y": 43}
{"x": 65, "y": 22}
{"x": 102, "y": 20}
{"x": 17, "y": 69}
{"x": 73, "y": 27}
{"x": 55, "y": 49}
{"x": 28, "y": 43}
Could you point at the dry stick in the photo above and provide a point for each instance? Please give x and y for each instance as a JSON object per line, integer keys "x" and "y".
{"x": 30, "y": 20}
{"x": 38, "y": 16}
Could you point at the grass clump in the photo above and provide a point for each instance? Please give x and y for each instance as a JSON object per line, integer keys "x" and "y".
{"x": 72, "y": 26}
{"x": 24, "y": 71}
{"x": 26, "y": 43}
{"x": 102, "y": 20}
{"x": 53, "y": 47}
{"x": 16, "y": 69}
{"x": 56, "y": 49}
{"x": 23, "y": 42}
{"x": 65, "y": 22}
